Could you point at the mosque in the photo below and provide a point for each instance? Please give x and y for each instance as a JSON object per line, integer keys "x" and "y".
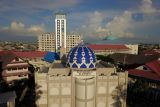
{"x": 80, "y": 80}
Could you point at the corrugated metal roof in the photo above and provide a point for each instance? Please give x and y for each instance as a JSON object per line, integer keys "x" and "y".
{"x": 155, "y": 66}
{"x": 30, "y": 54}
{"x": 26, "y": 54}
{"x": 144, "y": 74}
{"x": 6, "y": 58}
{"x": 50, "y": 57}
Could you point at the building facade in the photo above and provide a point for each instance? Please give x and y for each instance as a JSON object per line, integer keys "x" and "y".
{"x": 13, "y": 68}
{"x": 53, "y": 42}
{"x": 133, "y": 48}
{"x": 60, "y": 30}
{"x": 81, "y": 82}
{"x": 46, "y": 42}
{"x": 107, "y": 49}
{"x": 72, "y": 40}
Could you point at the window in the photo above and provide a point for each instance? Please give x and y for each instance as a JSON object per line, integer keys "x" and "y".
{"x": 9, "y": 69}
{"x": 20, "y": 75}
{"x": 20, "y": 68}
{"x": 14, "y": 68}
{"x": 17, "y": 59}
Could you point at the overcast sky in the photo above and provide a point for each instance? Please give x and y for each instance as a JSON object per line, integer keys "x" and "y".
{"x": 118, "y": 21}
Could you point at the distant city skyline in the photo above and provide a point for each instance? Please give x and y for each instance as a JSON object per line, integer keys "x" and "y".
{"x": 105, "y": 21}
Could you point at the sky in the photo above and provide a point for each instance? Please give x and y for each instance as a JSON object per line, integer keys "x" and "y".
{"x": 98, "y": 21}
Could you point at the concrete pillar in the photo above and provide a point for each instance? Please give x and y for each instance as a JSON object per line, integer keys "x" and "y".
{"x": 85, "y": 92}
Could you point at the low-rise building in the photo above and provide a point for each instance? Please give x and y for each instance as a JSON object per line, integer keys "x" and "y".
{"x": 31, "y": 56}
{"x": 106, "y": 49}
{"x": 133, "y": 48}
{"x": 150, "y": 73}
{"x": 13, "y": 67}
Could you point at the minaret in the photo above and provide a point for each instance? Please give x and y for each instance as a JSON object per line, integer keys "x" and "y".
{"x": 60, "y": 30}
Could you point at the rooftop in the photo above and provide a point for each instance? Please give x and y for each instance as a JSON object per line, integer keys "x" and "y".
{"x": 144, "y": 74}
{"x": 154, "y": 74}
{"x": 30, "y": 54}
{"x": 58, "y": 64}
{"x": 154, "y": 66}
{"x": 133, "y": 59}
{"x": 108, "y": 47}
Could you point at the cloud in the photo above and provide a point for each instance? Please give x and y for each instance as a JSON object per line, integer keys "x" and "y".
{"x": 120, "y": 25}
{"x": 7, "y": 5}
{"x": 126, "y": 27}
{"x": 93, "y": 24}
{"x": 147, "y": 7}
{"x": 19, "y": 29}
{"x": 16, "y": 26}
{"x": 101, "y": 24}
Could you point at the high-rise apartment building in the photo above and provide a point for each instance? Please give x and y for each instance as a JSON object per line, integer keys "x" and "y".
{"x": 53, "y": 42}
{"x": 72, "y": 40}
{"x": 60, "y": 30}
{"x": 46, "y": 42}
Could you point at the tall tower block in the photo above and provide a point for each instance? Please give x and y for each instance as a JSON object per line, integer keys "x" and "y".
{"x": 60, "y": 30}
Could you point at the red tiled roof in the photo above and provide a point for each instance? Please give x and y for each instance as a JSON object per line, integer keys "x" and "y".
{"x": 4, "y": 52}
{"x": 30, "y": 54}
{"x": 144, "y": 74}
{"x": 107, "y": 47}
{"x": 155, "y": 66}
{"x": 6, "y": 57}
{"x": 27, "y": 54}
{"x": 150, "y": 52}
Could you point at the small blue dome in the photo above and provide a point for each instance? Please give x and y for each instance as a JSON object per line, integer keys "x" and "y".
{"x": 81, "y": 57}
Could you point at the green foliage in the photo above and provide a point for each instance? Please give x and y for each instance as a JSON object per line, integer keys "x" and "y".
{"x": 140, "y": 86}
{"x": 105, "y": 58}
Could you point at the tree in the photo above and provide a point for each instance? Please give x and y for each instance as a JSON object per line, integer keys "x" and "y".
{"x": 119, "y": 95}
{"x": 105, "y": 58}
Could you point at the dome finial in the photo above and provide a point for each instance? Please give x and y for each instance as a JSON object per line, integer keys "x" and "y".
{"x": 81, "y": 43}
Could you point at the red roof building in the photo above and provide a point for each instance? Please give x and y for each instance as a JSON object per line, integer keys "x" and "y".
{"x": 152, "y": 72}
{"x": 35, "y": 56}
{"x": 144, "y": 74}
{"x": 150, "y": 52}
{"x": 13, "y": 67}
{"x": 107, "y": 47}
{"x": 30, "y": 54}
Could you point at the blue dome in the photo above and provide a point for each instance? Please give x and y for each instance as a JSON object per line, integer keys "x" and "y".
{"x": 81, "y": 57}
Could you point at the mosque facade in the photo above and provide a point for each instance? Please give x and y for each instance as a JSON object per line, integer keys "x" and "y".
{"x": 81, "y": 81}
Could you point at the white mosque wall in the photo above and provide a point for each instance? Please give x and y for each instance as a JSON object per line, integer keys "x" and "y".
{"x": 41, "y": 89}
{"x": 60, "y": 91}
{"x": 92, "y": 89}
{"x": 107, "y": 90}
